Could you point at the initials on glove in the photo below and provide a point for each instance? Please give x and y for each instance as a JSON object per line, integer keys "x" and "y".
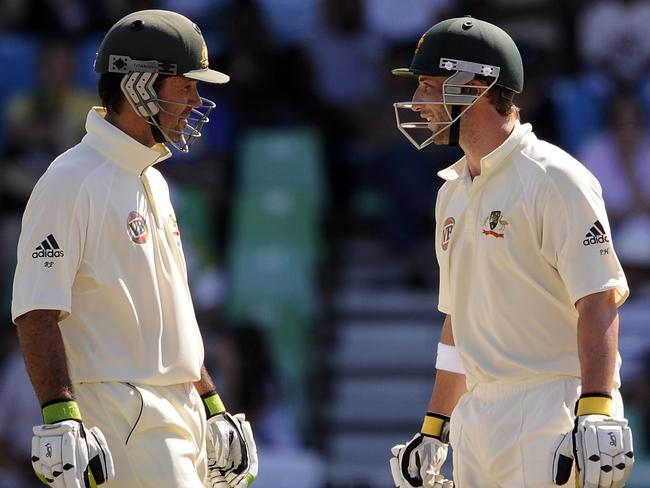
{"x": 65, "y": 454}
{"x": 600, "y": 445}
{"x": 418, "y": 463}
{"x": 232, "y": 454}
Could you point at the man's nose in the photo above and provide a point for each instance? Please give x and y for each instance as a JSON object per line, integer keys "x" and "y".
{"x": 417, "y": 97}
{"x": 195, "y": 98}
{"x": 417, "y": 107}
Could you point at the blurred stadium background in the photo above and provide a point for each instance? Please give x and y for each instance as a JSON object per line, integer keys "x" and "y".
{"x": 308, "y": 219}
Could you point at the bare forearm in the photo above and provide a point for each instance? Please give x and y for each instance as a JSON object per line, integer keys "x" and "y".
{"x": 597, "y": 341}
{"x": 447, "y": 389}
{"x": 205, "y": 384}
{"x": 448, "y": 386}
{"x": 44, "y": 352}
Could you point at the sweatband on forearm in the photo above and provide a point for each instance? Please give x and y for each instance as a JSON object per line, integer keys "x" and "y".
{"x": 448, "y": 359}
{"x": 212, "y": 403}
{"x": 436, "y": 425}
{"x": 60, "y": 410}
{"x": 594, "y": 404}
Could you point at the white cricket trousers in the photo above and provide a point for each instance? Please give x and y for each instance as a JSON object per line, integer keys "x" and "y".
{"x": 503, "y": 434}
{"x": 156, "y": 434}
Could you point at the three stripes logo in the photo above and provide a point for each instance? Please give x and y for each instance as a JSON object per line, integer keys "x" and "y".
{"x": 49, "y": 248}
{"x": 596, "y": 235}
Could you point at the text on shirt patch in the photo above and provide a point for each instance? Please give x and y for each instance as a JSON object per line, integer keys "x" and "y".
{"x": 136, "y": 226}
{"x": 494, "y": 225}
{"x": 447, "y": 227}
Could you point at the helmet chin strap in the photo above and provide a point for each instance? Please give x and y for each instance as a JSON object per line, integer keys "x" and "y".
{"x": 454, "y": 129}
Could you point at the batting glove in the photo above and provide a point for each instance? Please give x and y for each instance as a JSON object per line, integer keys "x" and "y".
{"x": 418, "y": 463}
{"x": 600, "y": 446}
{"x": 65, "y": 454}
{"x": 232, "y": 454}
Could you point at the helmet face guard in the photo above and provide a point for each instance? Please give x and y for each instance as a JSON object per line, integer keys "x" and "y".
{"x": 138, "y": 87}
{"x": 454, "y": 101}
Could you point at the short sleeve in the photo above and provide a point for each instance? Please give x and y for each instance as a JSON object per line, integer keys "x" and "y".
{"x": 576, "y": 236}
{"x": 444, "y": 304}
{"x": 51, "y": 244}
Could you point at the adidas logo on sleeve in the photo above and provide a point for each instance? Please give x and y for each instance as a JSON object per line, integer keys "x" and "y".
{"x": 48, "y": 248}
{"x": 596, "y": 235}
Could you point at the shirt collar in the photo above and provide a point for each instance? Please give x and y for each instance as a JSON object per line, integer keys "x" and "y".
{"x": 119, "y": 147}
{"x": 490, "y": 161}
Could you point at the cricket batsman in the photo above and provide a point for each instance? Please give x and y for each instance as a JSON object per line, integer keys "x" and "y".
{"x": 527, "y": 383}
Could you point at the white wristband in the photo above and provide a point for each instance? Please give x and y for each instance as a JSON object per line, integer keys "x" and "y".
{"x": 448, "y": 359}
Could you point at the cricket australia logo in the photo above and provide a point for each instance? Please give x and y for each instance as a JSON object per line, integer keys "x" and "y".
{"x": 136, "y": 227}
{"x": 447, "y": 227}
{"x": 495, "y": 225}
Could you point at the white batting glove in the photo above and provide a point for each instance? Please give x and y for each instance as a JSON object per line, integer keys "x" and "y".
{"x": 232, "y": 454}
{"x": 66, "y": 454}
{"x": 215, "y": 478}
{"x": 600, "y": 445}
{"x": 418, "y": 463}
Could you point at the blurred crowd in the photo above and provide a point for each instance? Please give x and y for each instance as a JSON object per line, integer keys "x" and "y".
{"x": 324, "y": 65}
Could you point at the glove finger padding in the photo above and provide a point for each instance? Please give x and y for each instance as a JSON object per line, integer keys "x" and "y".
{"x": 430, "y": 457}
{"x": 215, "y": 479}
{"x": 245, "y": 473}
{"x": 439, "y": 481}
{"x": 563, "y": 459}
{"x": 603, "y": 445}
{"x": 223, "y": 441}
{"x": 67, "y": 455}
{"x": 418, "y": 463}
{"x": 395, "y": 471}
{"x": 100, "y": 460}
{"x": 47, "y": 458}
{"x": 603, "y": 452}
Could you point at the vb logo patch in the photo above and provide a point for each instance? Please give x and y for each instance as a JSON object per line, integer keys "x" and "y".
{"x": 447, "y": 227}
{"x": 495, "y": 225}
{"x": 136, "y": 226}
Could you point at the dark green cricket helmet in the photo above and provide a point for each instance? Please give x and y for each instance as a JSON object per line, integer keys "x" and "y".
{"x": 474, "y": 42}
{"x": 150, "y": 43}
{"x": 156, "y": 41}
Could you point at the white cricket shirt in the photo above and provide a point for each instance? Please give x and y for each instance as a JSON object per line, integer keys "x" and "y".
{"x": 99, "y": 242}
{"x": 517, "y": 247}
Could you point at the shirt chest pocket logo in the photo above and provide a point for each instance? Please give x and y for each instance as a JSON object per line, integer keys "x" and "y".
{"x": 495, "y": 225}
{"x": 136, "y": 227}
{"x": 447, "y": 228}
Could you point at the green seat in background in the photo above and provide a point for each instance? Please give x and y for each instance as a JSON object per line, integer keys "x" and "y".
{"x": 274, "y": 248}
{"x": 276, "y": 217}
{"x": 273, "y": 273}
{"x": 290, "y": 159}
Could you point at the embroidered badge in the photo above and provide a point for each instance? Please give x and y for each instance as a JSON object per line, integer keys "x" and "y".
{"x": 174, "y": 225}
{"x": 494, "y": 225}
{"x": 136, "y": 227}
{"x": 447, "y": 227}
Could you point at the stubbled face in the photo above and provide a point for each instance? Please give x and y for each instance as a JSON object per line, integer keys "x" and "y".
{"x": 430, "y": 90}
{"x": 178, "y": 96}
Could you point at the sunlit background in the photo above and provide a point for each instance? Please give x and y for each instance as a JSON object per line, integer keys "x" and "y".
{"x": 307, "y": 218}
